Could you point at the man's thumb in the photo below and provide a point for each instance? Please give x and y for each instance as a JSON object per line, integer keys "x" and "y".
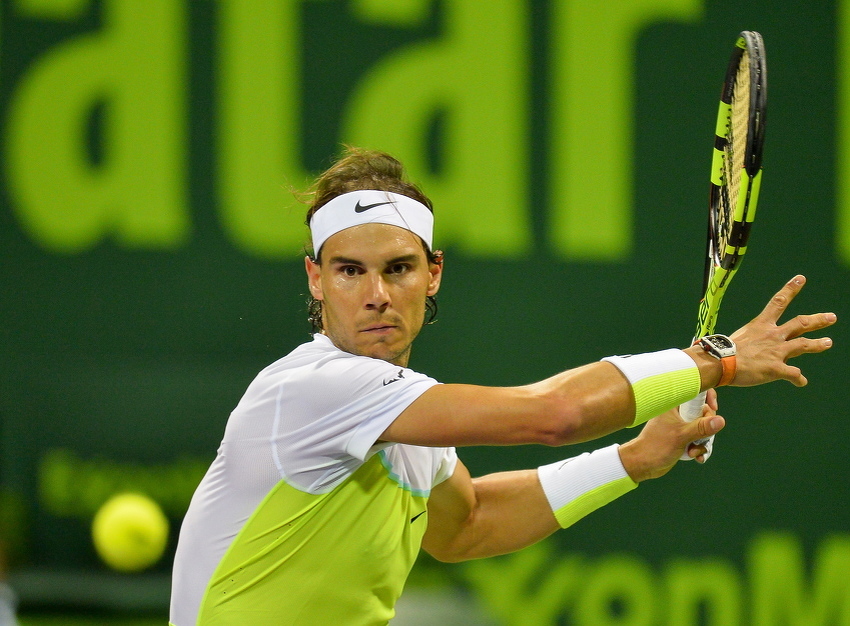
{"x": 707, "y": 426}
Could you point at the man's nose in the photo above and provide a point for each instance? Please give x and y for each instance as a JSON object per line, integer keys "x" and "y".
{"x": 378, "y": 296}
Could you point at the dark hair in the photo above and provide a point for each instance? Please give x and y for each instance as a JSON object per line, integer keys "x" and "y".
{"x": 355, "y": 170}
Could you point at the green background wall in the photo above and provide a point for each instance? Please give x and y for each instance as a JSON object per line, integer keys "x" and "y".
{"x": 151, "y": 263}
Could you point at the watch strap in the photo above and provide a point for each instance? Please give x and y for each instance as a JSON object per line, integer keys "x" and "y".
{"x": 728, "y": 362}
{"x": 730, "y": 366}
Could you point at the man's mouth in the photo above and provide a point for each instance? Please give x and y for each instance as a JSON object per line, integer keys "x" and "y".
{"x": 379, "y": 328}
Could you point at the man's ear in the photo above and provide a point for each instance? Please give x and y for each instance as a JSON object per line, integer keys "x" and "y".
{"x": 314, "y": 277}
{"x": 436, "y": 270}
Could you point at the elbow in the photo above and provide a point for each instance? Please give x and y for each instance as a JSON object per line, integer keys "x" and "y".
{"x": 455, "y": 551}
{"x": 447, "y": 556}
{"x": 454, "y": 546}
{"x": 579, "y": 405}
{"x": 559, "y": 434}
{"x": 559, "y": 422}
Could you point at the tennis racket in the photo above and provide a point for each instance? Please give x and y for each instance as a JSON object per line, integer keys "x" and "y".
{"x": 736, "y": 169}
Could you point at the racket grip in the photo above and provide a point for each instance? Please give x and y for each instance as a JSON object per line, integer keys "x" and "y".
{"x": 691, "y": 410}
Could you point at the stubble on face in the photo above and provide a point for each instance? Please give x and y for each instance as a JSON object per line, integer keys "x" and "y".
{"x": 375, "y": 279}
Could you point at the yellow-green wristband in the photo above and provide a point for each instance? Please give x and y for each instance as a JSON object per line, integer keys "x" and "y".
{"x": 660, "y": 380}
{"x": 576, "y": 487}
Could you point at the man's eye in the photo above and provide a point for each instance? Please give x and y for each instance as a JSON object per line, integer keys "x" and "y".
{"x": 398, "y": 268}
{"x": 349, "y": 270}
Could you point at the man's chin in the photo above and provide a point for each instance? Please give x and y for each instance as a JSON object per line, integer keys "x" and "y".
{"x": 387, "y": 352}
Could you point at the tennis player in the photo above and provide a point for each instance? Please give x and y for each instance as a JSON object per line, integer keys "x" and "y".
{"x": 339, "y": 461}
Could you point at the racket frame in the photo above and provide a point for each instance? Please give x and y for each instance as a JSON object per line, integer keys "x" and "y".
{"x": 721, "y": 265}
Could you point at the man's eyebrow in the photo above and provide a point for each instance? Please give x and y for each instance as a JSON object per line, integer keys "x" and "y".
{"x": 405, "y": 258}
{"x": 341, "y": 260}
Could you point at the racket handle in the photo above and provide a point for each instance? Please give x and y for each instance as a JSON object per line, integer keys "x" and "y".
{"x": 691, "y": 410}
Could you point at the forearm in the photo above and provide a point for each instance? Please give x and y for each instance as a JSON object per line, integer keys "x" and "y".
{"x": 505, "y": 512}
{"x": 570, "y": 407}
{"x": 574, "y": 406}
{"x": 589, "y": 402}
{"x": 606, "y": 399}
{"x": 627, "y": 391}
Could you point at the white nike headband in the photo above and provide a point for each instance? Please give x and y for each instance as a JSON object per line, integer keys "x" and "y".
{"x": 370, "y": 206}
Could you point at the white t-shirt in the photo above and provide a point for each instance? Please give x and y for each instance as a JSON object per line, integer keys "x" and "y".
{"x": 298, "y": 480}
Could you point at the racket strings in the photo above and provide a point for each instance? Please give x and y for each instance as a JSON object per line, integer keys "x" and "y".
{"x": 736, "y": 149}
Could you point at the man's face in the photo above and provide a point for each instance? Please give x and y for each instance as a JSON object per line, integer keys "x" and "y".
{"x": 373, "y": 282}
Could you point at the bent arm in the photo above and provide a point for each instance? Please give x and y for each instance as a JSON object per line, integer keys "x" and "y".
{"x": 495, "y": 514}
{"x": 507, "y": 511}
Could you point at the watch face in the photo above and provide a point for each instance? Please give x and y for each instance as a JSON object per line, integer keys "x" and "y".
{"x": 718, "y": 345}
{"x": 720, "y": 342}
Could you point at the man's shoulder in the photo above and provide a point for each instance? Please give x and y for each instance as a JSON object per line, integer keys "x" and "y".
{"x": 320, "y": 365}
{"x": 320, "y": 353}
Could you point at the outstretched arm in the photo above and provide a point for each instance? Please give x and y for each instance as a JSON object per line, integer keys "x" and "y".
{"x": 594, "y": 400}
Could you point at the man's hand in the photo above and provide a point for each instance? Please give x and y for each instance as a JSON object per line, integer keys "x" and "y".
{"x": 663, "y": 439}
{"x": 764, "y": 346}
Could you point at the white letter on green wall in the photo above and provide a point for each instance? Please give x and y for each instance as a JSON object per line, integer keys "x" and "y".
{"x": 592, "y": 121}
{"x": 260, "y": 125}
{"x": 712, "y": 585}
{"x": 781, "y": 593}
{"x": 476, "y": 75}
{"x": 134, "y": 67}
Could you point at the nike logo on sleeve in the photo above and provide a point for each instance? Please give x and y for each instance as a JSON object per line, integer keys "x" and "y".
{"x": 398, "y": 377}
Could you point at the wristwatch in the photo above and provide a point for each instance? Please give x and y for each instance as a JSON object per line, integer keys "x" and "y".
{"x": 724, "y": 349}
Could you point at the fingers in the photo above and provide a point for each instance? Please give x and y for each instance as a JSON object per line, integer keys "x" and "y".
{"x": 791, "y": 373}
{"x": 800, "y": 380}
{"x": 707, "y": 426}
{"x": 765, "y": 347}
{"x": 798, "y": 345}
{"x": 697, "y": 452}
{"x": 805, "y": 345}
{"x": 711, "y": 399}
{"x": 802, "y": 323}
{"x": 808, "y": 323}
{"x": 780, "y": 301}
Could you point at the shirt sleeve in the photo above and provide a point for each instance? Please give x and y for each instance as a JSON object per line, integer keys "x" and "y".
{"x": 381, "y": 410}
{"x": 328, "y": 423}
{"x": 448, "y": 463}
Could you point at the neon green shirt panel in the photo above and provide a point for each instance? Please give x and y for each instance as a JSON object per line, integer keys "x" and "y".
{"x": 359, "y": 541}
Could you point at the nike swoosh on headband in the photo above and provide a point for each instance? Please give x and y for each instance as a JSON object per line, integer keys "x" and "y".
{"x": 389, "y": 208}
{"x": 359, "y": 208}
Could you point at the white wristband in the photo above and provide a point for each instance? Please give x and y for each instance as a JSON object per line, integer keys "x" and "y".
{"x": 659, "y": 380}
{"x": 578, "y": 486}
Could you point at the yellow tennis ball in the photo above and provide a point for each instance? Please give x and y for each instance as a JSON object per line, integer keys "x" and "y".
{"x": 130, "y": 532}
